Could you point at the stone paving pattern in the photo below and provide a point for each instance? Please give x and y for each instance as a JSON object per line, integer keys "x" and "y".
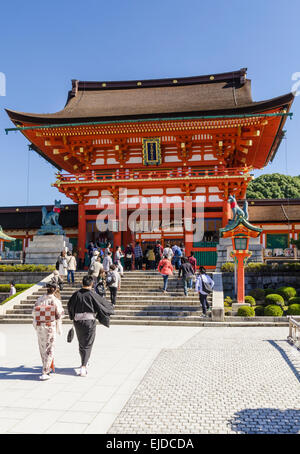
{"x": 223, "y": 380}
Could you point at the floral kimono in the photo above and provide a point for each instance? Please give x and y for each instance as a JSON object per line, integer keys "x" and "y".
{"x": 47, "y": 319}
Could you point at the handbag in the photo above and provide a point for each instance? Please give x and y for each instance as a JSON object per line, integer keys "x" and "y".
{"x": 70, "y": 335}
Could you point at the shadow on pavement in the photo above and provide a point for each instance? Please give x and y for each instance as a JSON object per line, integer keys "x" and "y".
{"x": 285, "y": 356}
{"x": 266, "y": 421}
{"x": 32, "y": 373}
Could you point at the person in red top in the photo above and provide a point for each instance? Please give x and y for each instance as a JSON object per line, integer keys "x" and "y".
{"x": 193, "y": 261}
{"x": 165, "y": 268}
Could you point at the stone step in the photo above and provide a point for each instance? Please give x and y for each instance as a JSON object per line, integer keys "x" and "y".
{"x": 123, "y": 307}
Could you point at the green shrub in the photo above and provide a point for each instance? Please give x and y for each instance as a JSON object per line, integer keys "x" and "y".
{"x": 250, "y": 300}
{"x": 253, "y": 267}
{"x": 227, "y": 267}
{"x": 26, "y": 268}
{"x": 294, "y": 300}
{"x": 245, "y": 311}
{"x": 294, "y": 309}
{"x": 274, "y": 298}
{"x": 286, "y": 292}
{"x": 259, "y": 310}
{"x": 5, "y": 288}
{"x": 227, "y": 301}
{"x": 258, "y": 294}
{"x": 273, "y": 311}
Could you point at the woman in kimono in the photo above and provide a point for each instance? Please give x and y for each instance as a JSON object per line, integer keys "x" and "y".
{"x": 47, "y": 319}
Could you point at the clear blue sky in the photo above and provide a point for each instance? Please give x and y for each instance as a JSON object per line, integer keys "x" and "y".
{"x": 45, "y": 45}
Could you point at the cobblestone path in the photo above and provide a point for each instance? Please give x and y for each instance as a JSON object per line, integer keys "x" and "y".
{"x": 223, "y": 380}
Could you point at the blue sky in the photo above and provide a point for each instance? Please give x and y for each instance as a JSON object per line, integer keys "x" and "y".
{"x": 45, "y": 45}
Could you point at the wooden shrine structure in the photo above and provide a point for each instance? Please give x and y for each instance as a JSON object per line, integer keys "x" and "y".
{"x": 166, "y": 138}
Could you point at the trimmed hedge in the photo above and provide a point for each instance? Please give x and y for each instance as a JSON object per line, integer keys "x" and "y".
{"x": 259, "y": 310}
{"x": 274, "y": 298}
{"x": 287, "y": 292}
{"x": 273, "y": 311}
{"x": 294, "y": 309}
{"x": 294, "y": 300}
{"x": 5, "y": 288}
{"x": 263, "y": 267}
{"x": 250, "y": 300}
{"x": 257, "y": 294}
{"x": 26, "y": 268}
{"x": 245, "y": 311}
{"x": 227, "y": 301}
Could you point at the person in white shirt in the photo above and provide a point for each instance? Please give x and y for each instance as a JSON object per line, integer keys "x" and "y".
{"x": 72, "y": 264}
{"x": 107, "y": 261}
{"x": 167, "y": 252}
{"x": 203, "y": 284}
{"x": 118, "y": 256}
{"x": 12, "y": 290}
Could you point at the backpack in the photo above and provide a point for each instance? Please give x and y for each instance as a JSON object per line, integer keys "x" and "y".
{"x": 100, "y": 288}
{"x": 206, "y": 287}
{"x": 111, "y": 279}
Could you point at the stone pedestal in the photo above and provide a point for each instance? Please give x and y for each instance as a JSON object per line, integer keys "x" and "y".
{"x": 45, "y": 249}
{"x": 225, "y": 247}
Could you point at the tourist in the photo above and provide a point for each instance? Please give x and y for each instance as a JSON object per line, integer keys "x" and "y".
{"x": 177, "y": 257}
{"x": 182, "y": 249}
{"x": 113, "y": 281}
{"x": 128, "y": 257}
{"x": 12, "y": 290}
{"x": 62, "y": 265}
{"x": 72, "y": 264}
{"x": 94, "y": 258}
{"x": 151, "y": 258}
{"x": 90, "y": 249}
{"x": 84, "y": 307}
{"x": 107, "y": 249}
{"x": 204, "y": 285}
{"x": 167, "y": 252}
{"x": 47, "y": 316}
{"x": 56, "y": 280}
{"x": 138, "y": 257}
{"x": 187, "y": 272}
{"x": 165, "y": 268}
{"x": 158, "y": 251}
{"x": 118, "y": 256}
{"x": 98, "y": 270}
{"x": 193, "y": 261}
{"x": 107, "y": 261}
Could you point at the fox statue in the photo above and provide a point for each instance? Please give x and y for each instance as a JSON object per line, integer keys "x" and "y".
{"x": 236, "y": 210}
{"x": 52, "y": 216}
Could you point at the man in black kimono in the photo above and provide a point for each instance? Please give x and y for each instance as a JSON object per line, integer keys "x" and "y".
{"x": 84, "y": 307}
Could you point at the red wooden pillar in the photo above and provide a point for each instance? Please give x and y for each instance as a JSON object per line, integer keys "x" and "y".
{"x": 226, "y": 213}
{"x": 81, "y": 231}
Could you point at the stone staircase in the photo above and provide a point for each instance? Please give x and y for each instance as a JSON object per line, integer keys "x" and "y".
{"x": 139, "y": 302}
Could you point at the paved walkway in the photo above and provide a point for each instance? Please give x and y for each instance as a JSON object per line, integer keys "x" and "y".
{"x": 151, "y": 379}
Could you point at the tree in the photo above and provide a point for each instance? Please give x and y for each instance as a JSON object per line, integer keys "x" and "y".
{"x": 274, "y": 186}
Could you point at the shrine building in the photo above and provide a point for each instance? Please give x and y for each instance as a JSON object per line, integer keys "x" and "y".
{"x": 157, "y": 141}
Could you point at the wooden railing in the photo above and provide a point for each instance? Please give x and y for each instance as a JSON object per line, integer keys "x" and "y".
{"x": 294, "y": 332}
{"x": 129, "y": 174}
